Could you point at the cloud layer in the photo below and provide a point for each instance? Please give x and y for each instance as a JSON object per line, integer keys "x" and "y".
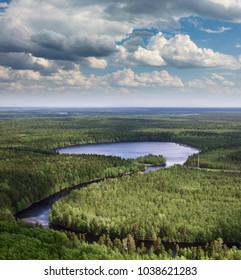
{"x": 91, "y": 45}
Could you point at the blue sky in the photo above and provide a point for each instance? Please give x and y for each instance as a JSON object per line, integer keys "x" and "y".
{"x": 180, "y": 53}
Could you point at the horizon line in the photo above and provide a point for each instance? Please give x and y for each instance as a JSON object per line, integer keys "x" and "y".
{"x": 115, "y": 107}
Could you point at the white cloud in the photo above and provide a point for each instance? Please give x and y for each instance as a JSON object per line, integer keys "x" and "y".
{"x": 216, "y": 81}
{"x": 199, "y": 84}
{"x": 180, "y": 51}
{"x": 148, "y": 57}
{"x": 210, "y": 83}
{"x": 238, "y": 46}
{"x": 217, "y": 77}
{"x": 221, "y": 29}
{"x": 21, "y": 79}
{"x": 127, "y": 77}
{"x": 4, "y": 73}
{"x": 97, "y": 63}
{"x": 124, "y": 77}
{"x": 74, "y": 79}
{"x": 29, "y": 75}
{"x": 160, "y": 78}
{"x": 221, "y": 79}
{"x": 228, "y": 83}
{"x": 41, "y": 61}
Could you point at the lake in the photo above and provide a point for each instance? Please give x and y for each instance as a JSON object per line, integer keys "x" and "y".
{"x": 174, "y": 153}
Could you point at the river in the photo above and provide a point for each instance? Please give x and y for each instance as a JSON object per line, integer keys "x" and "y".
{"x": 173, "y": 152}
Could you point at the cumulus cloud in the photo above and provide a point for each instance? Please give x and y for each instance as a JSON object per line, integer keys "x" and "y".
{"x": 180, "y": 52}
{"x": 74, "y": 79}
{"x": 4, "y": 73}
{"x": 124, "y": 77}
{"x": 162, "y": 78}
{"x": 61, "y": 80}
{"x": 26, "y": 61}
{"x": 20, "y": 79}
{"x": 93, "y": 62}
{"x": 127, "y": 77}
{"x": 148, "y": 57}
{"x": 29, "y": 75}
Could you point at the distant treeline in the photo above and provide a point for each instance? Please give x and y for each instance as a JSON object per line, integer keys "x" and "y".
{"x": 40, "y": 134}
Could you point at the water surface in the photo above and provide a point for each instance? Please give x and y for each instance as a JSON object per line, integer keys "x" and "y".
{"x": 173, "y": 152}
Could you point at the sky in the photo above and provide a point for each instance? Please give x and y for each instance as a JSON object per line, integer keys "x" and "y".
{"x": 122, "y": 53}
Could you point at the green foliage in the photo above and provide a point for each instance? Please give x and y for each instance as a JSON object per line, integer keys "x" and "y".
{"x": 224, "y": 159}
{"x": 22, "y": 242}
{"x": 45, "y": 132}
{"x": 176, "y": 204}
{"x": 152, "y": 160}
{"x": 27, "y": 177}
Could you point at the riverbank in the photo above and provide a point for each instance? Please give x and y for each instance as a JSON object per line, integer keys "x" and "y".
{"x": 41, "y": 208}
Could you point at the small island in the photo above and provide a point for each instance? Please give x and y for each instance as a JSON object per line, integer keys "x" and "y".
{"x": 152, "y": 160}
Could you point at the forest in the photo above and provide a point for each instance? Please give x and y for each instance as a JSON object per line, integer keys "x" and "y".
{"x": 177, "y": 204}
{"x": 191, "y": 204}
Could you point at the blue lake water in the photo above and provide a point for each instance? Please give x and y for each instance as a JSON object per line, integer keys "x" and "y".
{"x": 173, "y": 152}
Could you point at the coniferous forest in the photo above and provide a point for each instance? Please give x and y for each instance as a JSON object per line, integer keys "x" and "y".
{"x": 183, "y": 212}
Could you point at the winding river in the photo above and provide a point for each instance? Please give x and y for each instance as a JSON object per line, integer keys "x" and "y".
{"x": 174, "y": 153}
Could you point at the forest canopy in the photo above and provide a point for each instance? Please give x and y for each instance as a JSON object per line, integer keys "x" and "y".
{"x": 177, "y": 204}
{"x": 199, "y": 202}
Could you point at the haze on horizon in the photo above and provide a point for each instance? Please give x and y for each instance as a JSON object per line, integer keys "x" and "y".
{"x": 136, "y": 53}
